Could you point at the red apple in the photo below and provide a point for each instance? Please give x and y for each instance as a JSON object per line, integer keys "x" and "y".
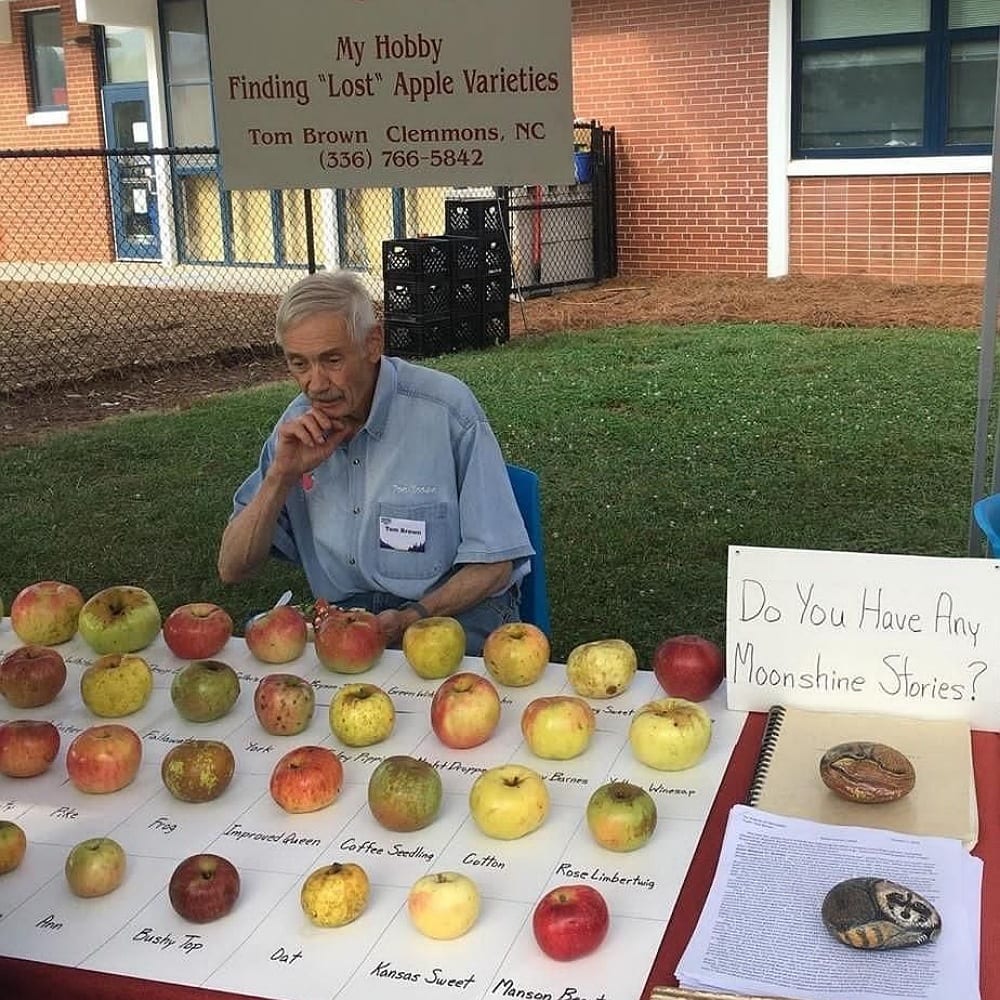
{"x": 204, "y": 887}
{"x": 27, "y": 747}
{"x": 104, "y": 758}
{"x": 31, "y": 676}
{"x": 197, "y": 631}
{"x": 278, "y": 635}
{"x": 570, "y": 922}
{"x": 306, "y": 779}
{"x": 46, "y": 613}
{"x": 465, "y": 710}
{"x": 348, "y": 642}
{"x": 284, "y": 704}
{"x": 689, "y": 667}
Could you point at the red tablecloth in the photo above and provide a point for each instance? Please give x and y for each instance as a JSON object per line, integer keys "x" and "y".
{"x": 20, "y": 980}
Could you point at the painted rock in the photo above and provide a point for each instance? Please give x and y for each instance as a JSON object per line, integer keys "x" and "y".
{"x": 876, "y": 914}
{"x": 867, "y": 772}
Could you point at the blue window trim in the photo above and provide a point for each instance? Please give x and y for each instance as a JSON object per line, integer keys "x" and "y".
{"x": 937, "y": 42}
{"x": 29, "y": 32}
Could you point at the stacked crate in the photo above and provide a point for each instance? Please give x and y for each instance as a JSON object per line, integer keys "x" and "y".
{"x": 416, "y": 277}
{"x": 481, "y": 280}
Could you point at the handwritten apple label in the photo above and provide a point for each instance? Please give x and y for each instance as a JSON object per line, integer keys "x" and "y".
{"x": 483, "y": 860}
{"x": 49, "y": 923}
{"x": 455, "y": 765}
{"x": 596, "y": 874}
{"x": 254, "y": 747}
{"x": 283, "y": 956}
{"x": 237, "y": 831}
{"x": 436, "y": 977}
{"x": 64, "y": 812}
{"x": 562, "y": 777}
{"x": 163, "y": 825}
{"x": 512, "y": 988}
{"x": 159, "y": 736}
{"x": 372, "y": 847}
{"x": 658, "y": 788}
{"x": 187, "y": 943}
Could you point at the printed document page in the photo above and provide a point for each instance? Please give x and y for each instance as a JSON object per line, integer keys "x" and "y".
{"x": 761, "y": 930}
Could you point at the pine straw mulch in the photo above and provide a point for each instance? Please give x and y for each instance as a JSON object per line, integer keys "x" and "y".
{"x": 673, "y": 300}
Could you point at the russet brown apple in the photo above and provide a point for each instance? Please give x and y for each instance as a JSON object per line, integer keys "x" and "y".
{"x": 404, "y": 793}
{"x": 31, "y": 675}
{"x": 306, "y": 779}
{"x": 204, "y": 887}
{"x": 104, "y": 758}
{"x": 197, "y": 631}
{"x": 27, "y": 747}
{"x": 46, "y": 613}
{"x": 198, "y": 770}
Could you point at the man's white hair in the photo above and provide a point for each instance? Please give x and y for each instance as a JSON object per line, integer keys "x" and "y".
{"x": 340, "y": 292}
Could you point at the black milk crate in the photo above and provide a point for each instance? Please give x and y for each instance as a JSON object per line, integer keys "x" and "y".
{"x": 466, "y": 256}
{"x": 496, "y": 292}
{"x": 417, "y": 338}
{"x": 496, "y": 326}
{"x": 426, "y": 256}
{"x": 417, "y": 298}
{"x": 475, "y": 217}
{"x": 466, "y": 295}
{"x": 496, "y": 259}
{"x": 467, "y": 332}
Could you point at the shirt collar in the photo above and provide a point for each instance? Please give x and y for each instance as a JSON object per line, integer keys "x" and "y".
{"x": 385, "y": 389}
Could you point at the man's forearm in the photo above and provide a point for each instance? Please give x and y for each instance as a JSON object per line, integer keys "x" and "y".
{"x": 246, "y": 542}
{"x": 468, "y": 586}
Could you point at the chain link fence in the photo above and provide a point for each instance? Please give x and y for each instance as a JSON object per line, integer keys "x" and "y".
{"x": 111, "y": 259}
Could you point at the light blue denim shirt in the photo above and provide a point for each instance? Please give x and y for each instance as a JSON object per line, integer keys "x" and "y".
{"x": 426, "y": 468}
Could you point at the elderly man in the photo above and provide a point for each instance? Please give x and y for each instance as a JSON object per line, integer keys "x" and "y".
{"x": 382, "y": 479}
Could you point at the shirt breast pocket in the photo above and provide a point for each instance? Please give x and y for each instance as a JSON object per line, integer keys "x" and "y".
{"x": 414, "y": 541}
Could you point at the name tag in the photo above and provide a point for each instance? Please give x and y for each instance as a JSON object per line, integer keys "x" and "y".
{"x": 402, "y": 534}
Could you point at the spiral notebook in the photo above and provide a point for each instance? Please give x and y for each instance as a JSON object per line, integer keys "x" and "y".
{"x": 943, "y": 801}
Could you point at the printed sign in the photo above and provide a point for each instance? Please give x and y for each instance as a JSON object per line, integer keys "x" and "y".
{"x": 847, "y": 631}
{"x": 342, "y": 93}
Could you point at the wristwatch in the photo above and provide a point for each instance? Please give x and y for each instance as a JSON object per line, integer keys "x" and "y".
{"x": 421, "y": 611}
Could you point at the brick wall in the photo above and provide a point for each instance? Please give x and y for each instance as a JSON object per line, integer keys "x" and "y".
{"x": 54, "y": 209}
{"x": 927, "y": 228}
{"x": 684, "y": 82}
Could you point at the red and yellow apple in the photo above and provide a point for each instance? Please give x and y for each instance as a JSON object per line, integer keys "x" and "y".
{"x": 27, "y": 747}
{"x": 443, "y": 905}
{"x": 95, "y": 867}
{"x": 516, "y": 653}
{"x": 670, "y": 734}
{"x": 434, "y": 646}
{"x": 31, "y": 675}
{"x": 334, "y": 895}
{"x": 465, "y": 710}
{"x": 601, "y": 669}
{"x": 204, "y": 887}
{"x": 116, "y": 684}
{"x": 284, "y": 704}
{"x": 46, "y": 613}
{"x": 13, "y": 845}
{"x": 198, "y": 770}
{"x": 104, "y": 758}
{"x": 570, "y": 922}
{"x": 509, "y": 801}
{"x": 361, "y": 714}
{"x": 119, "y": 619}
{"x": 348, "y": 641}
{"x": 688, "y": 666}
{"x": 558, "y": 727}
{"x": 197, "y": 631}
{"x": 306, "y": 779}
{"x": 278, "y": 635}
{"x": 404, "y": 793}
{"x": 621, "y": 816}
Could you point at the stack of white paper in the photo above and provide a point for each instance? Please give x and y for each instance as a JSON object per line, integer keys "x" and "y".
{"x": 761, "y": 929}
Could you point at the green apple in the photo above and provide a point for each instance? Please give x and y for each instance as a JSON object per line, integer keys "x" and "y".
{"x": 205, "y": 690}
{"x": 509, "y": 801}
{"x": 434, "y": 646}
{"x": 361, "y": 714}
{"x": 95, "y": 867}
{"x": 404, "y": 793}
{"x": 13, "y": 845}
{"x": 670, "y": 734}
{"x": 116, "y": 684}
{"x": 621, "y": 816}
{"x": 119, "y": 620}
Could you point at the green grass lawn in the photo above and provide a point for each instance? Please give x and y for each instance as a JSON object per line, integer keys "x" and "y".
{"x": 657, "y": 448}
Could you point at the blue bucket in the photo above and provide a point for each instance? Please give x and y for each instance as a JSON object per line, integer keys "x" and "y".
{"x": 583, "y": 167}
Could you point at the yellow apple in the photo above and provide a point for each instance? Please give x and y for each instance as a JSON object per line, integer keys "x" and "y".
{"x": 509, "y": 801}
{"x": 116, "y": 684}
{"x": 434, "y": 646}
{"x": 13, "y": 845}
{"x": 670, "y": 734}
{"x": 558, "y": 727}
{"x": 361, "y": 714}
{"x": 443, "y": 905}
{"x": 516, "y": 653}
{"x": 601, "y": 669}
{"x": 335, "y": 894}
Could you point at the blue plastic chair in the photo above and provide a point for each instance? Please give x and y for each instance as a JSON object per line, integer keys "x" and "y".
{"x": 987, "y": 514}
{"x": 534, "y": 588}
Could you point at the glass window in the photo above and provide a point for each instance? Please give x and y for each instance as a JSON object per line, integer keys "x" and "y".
{"x": 910, "y": 77}
{"x": 46, "y": 60}
{"x": 189, "y": 74}
{"x": 125, "y": 55}
{"x": 191, "y": 110}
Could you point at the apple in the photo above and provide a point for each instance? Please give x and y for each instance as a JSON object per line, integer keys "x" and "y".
{"x": 31, "y": 675}
{"x": 13, "y": 845}
{"x": 95, "y": 867}
{"x": 116, "y": 684}
{"x": 104, "y": 758}
{"x": 670, "y": 734}
{"x": 284, "y": 704}
{"x": 334, "y": 895}
{"x": 558, "y": 727}
{"x": 443, "y": 905}
{"x": 434, "y": 646}
{"x": 278, "y": 635}
{"x": 465, "y": 711}
{"x": 516, "y": 653}
{"x": 205, "y": 690}
{"x": 570, "y": 922}
{"x": 197, "y": 631}
{"x": 119, "y": 620}
{"x": 27, "y": 747}
{"x": 204, "y": 887}
{"x": 601, "y": 669}
{"x": 621, "y": 816}
{"x": 46, "y": 613}
{"x": 404, "y": 793}
{"x": 688, "y": 666}
{"x": 509, "y": 801}
{"x": 361, "y": 714}
{"x": 306, "y": 779}
{"x": 348, "y": 642}
{"x": 198, "y": 770}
